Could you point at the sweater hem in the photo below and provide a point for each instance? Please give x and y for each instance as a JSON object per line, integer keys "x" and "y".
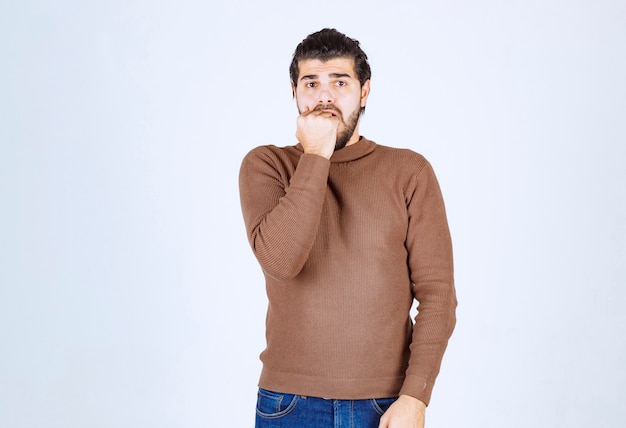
{"x": 333, "y": 388}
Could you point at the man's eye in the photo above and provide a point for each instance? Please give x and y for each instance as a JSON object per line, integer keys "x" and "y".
{"x": 341, "y": 83}
{"x": 310, "y": 85}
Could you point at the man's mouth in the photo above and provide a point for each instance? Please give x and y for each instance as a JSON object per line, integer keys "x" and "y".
{"x": 328, "y": 109}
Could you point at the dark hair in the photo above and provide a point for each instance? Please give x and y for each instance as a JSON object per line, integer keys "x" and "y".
{"x": 329, "y": 44}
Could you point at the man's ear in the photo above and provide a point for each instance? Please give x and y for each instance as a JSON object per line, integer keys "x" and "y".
{"x": 365, "y": 91}
{"x": 293, "y": 91}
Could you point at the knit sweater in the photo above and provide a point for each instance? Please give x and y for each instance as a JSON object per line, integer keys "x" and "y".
{"x": 345, "y": 246}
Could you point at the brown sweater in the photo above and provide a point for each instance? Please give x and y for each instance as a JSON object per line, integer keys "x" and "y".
{"x": 345, "y": 246}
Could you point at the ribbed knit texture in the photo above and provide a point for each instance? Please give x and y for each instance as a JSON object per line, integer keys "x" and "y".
{"x": 345, "y": 246}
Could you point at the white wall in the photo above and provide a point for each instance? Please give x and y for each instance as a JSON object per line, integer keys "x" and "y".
{"x": 129, "y": 296}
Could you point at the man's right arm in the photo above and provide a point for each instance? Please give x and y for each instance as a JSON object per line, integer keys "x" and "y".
{"x": 282, "y": 213}
{"x": 282, "y": 210}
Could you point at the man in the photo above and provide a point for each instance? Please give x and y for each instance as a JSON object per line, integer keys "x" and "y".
{"x": 348, "y": 233}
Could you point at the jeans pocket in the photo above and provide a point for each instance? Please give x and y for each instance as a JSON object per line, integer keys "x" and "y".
{"x": 272, "y": 404}
{"x": 382, "y": 404}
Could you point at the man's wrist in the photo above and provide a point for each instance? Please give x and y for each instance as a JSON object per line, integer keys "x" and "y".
{"x": 420, "y": 405}
{"x": 318, "y": 153}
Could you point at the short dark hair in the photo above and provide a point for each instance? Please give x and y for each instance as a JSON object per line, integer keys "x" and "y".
{"x": 329, "y": 44}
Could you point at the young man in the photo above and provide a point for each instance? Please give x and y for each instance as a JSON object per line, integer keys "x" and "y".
{"x": 348, "y": 233}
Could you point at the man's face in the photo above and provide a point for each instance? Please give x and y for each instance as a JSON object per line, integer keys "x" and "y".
{"x": 333, "y": 86}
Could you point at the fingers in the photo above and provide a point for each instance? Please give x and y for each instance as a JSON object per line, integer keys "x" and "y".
{"x": 317, "y": 132}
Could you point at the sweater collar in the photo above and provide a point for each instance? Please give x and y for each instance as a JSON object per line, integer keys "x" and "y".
{"x": 361, "y": 148}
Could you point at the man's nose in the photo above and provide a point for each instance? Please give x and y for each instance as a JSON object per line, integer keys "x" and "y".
{"x": 325, "y": 96}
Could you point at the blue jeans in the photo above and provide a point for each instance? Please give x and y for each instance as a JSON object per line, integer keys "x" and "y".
{"x": 278, "y": 410}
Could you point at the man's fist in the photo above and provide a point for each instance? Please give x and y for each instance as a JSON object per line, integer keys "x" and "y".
{"x": 317, "y": 131}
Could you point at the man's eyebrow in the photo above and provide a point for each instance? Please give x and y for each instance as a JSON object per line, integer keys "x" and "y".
{"x": 340, "y": 75}
{"x": 333, "y": 75}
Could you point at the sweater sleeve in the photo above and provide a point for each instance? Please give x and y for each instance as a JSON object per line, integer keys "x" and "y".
{"x": 282, "y": 208}
{"x": 431, "y": 270}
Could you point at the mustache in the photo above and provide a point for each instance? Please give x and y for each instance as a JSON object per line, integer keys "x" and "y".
{"x": 321, "y": 107}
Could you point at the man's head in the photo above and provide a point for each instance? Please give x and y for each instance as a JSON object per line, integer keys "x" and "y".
{"x": 329, "y": 72}
{"x": 329, "y": 44}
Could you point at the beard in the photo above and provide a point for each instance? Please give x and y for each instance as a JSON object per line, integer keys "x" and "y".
{"x": 346, "y": 127}
{"x": 344, "y": 135}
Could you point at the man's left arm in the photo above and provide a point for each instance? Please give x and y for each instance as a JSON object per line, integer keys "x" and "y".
{"x": 431, "y": 269}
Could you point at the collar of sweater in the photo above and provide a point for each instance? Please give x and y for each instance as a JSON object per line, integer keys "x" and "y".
{"x": 355, "y": 151}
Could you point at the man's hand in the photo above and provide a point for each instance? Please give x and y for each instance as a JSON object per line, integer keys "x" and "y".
{"x": 317, "y": 132}
{"x": 406, "y": 412}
